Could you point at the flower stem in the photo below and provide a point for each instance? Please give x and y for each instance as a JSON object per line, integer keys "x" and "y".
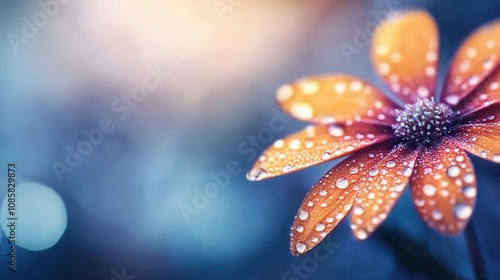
{"x": 475, "y": 252}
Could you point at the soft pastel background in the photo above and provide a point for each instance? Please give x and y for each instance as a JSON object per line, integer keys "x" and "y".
{"x": 117, "y": 214}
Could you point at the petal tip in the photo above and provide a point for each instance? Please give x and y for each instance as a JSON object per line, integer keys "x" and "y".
{"x": 256, "y": 174}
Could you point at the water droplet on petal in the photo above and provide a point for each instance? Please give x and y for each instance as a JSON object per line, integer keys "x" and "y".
{"x": 322, "y": 192}
{"x": 303, "y": 215}
{"x": 462, "y": 211}
{"x": 429, "y": 190}
{"x": 335, "y": 130}
{"x": 320, "y": 227}
{"x": 390, "y": 164}
{"x": 342, "y": 183}
{"x": 407, "y": 172}
{"x": 437, "y": 215}
{"x": 373, "y": 172}
{"x": 469, "y": 192}
{"x": 326, "y": 155}
{"x": 361, "y": 234}
{"x": 358, "y": 210}
{"x": 453, "y": 171}
{"x": 300, "y": 228}
{"x": 301, "y": 247}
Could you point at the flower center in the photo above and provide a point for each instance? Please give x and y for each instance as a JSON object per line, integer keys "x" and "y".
{"x": 424, "y": 122}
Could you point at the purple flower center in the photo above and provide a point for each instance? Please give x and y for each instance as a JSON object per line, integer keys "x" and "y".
{"x": 425, "y": 122}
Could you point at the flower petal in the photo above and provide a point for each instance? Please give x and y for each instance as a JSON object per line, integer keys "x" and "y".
{"x": 405, "y": 54}
{"x": 336, "y": 98}
{"x": 474, "y": 61}
{"x": 386, "y": 182}
{"x": 314, "y": 145}
{"x": 486, "y": 94}
{"x": 488, "y": 115}
{"x": 331, "y": 199}
{"x": 481, "y": 140}
{"x": 443, "y": 187}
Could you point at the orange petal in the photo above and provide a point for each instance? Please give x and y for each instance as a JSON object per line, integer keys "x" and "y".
{"x": 405, "y": 54}
{"x": 331, "y": 199}
{"x": 382, "y": 188}
{"x": 486, "y": 94}
{"x": 314, "y": 145}
{"x": 337, "y": 98}
{"x": 474, "y": 61}
{"x": 488, "y": 115}
{"x": 443, "y": 187}
{"x": 481, "y": 140}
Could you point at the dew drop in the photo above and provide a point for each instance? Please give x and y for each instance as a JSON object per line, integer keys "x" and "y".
{"x": 329, "y": 220}
{"x": 453, "y": 171}
{"x": 320, "y": 227}
{"x": 429, "y": 190}
{"x": 342, "y": 183}
{"x": 288, "y": 168}
{"x": 335, "y": 130}
{"x": 279, "y": 144}
{"x": 301, "y": 247}
{"x": 469, "y": 178}
{"x": 303, "y": 215}
{"x": 437, "y": 215}
{"x": 469, "y": 192}
{"x": 373, "y": 172}
{"x": 256, "y": 174}
{"x": 399, "y": 187}
{"x": 496, "y": 158}
{"x": 295, "y": 144}
{"x": 358, "y": 210}
{"x": 326, "y": 155}
{"x": 407, "y": 172}
{"x": 452, "y": 99}
{"x": 361, "y": 234}
{"x": 353, "y": 170}
{"x": 390, "y": 164}
{"x": 300, "y": 228}
{"x": 462, "y": 211}
{"x": 323, "y": 193}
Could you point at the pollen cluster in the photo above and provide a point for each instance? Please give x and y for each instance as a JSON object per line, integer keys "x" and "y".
{"x": 424, "y": 122}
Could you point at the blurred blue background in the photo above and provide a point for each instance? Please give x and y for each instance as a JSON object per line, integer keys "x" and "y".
{"x": 131, "y": 207}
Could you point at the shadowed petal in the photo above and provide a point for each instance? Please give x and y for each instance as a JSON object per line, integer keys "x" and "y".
{"x": 314, "y": 145}
{"x": 443, "y": 187}
{"x": 481, "y": 140}
{"x": 405, "y": 54}
{"x": 485, "y": 95}
{"x": 336, "y": 98}
{"x": 382, "y": 188}
{"x": 474, "y": 61}
{"x": 331, "y": 199}
{"x": 488, "y": 115}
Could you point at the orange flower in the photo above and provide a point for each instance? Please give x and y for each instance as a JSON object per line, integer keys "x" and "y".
{"x": 422, "y": 143}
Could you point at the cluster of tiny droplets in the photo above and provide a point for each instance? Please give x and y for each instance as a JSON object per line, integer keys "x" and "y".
{"x": 424, "y": 122}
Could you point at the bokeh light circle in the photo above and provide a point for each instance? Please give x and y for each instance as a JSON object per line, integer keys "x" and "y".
{"x": 41, "y": 216}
